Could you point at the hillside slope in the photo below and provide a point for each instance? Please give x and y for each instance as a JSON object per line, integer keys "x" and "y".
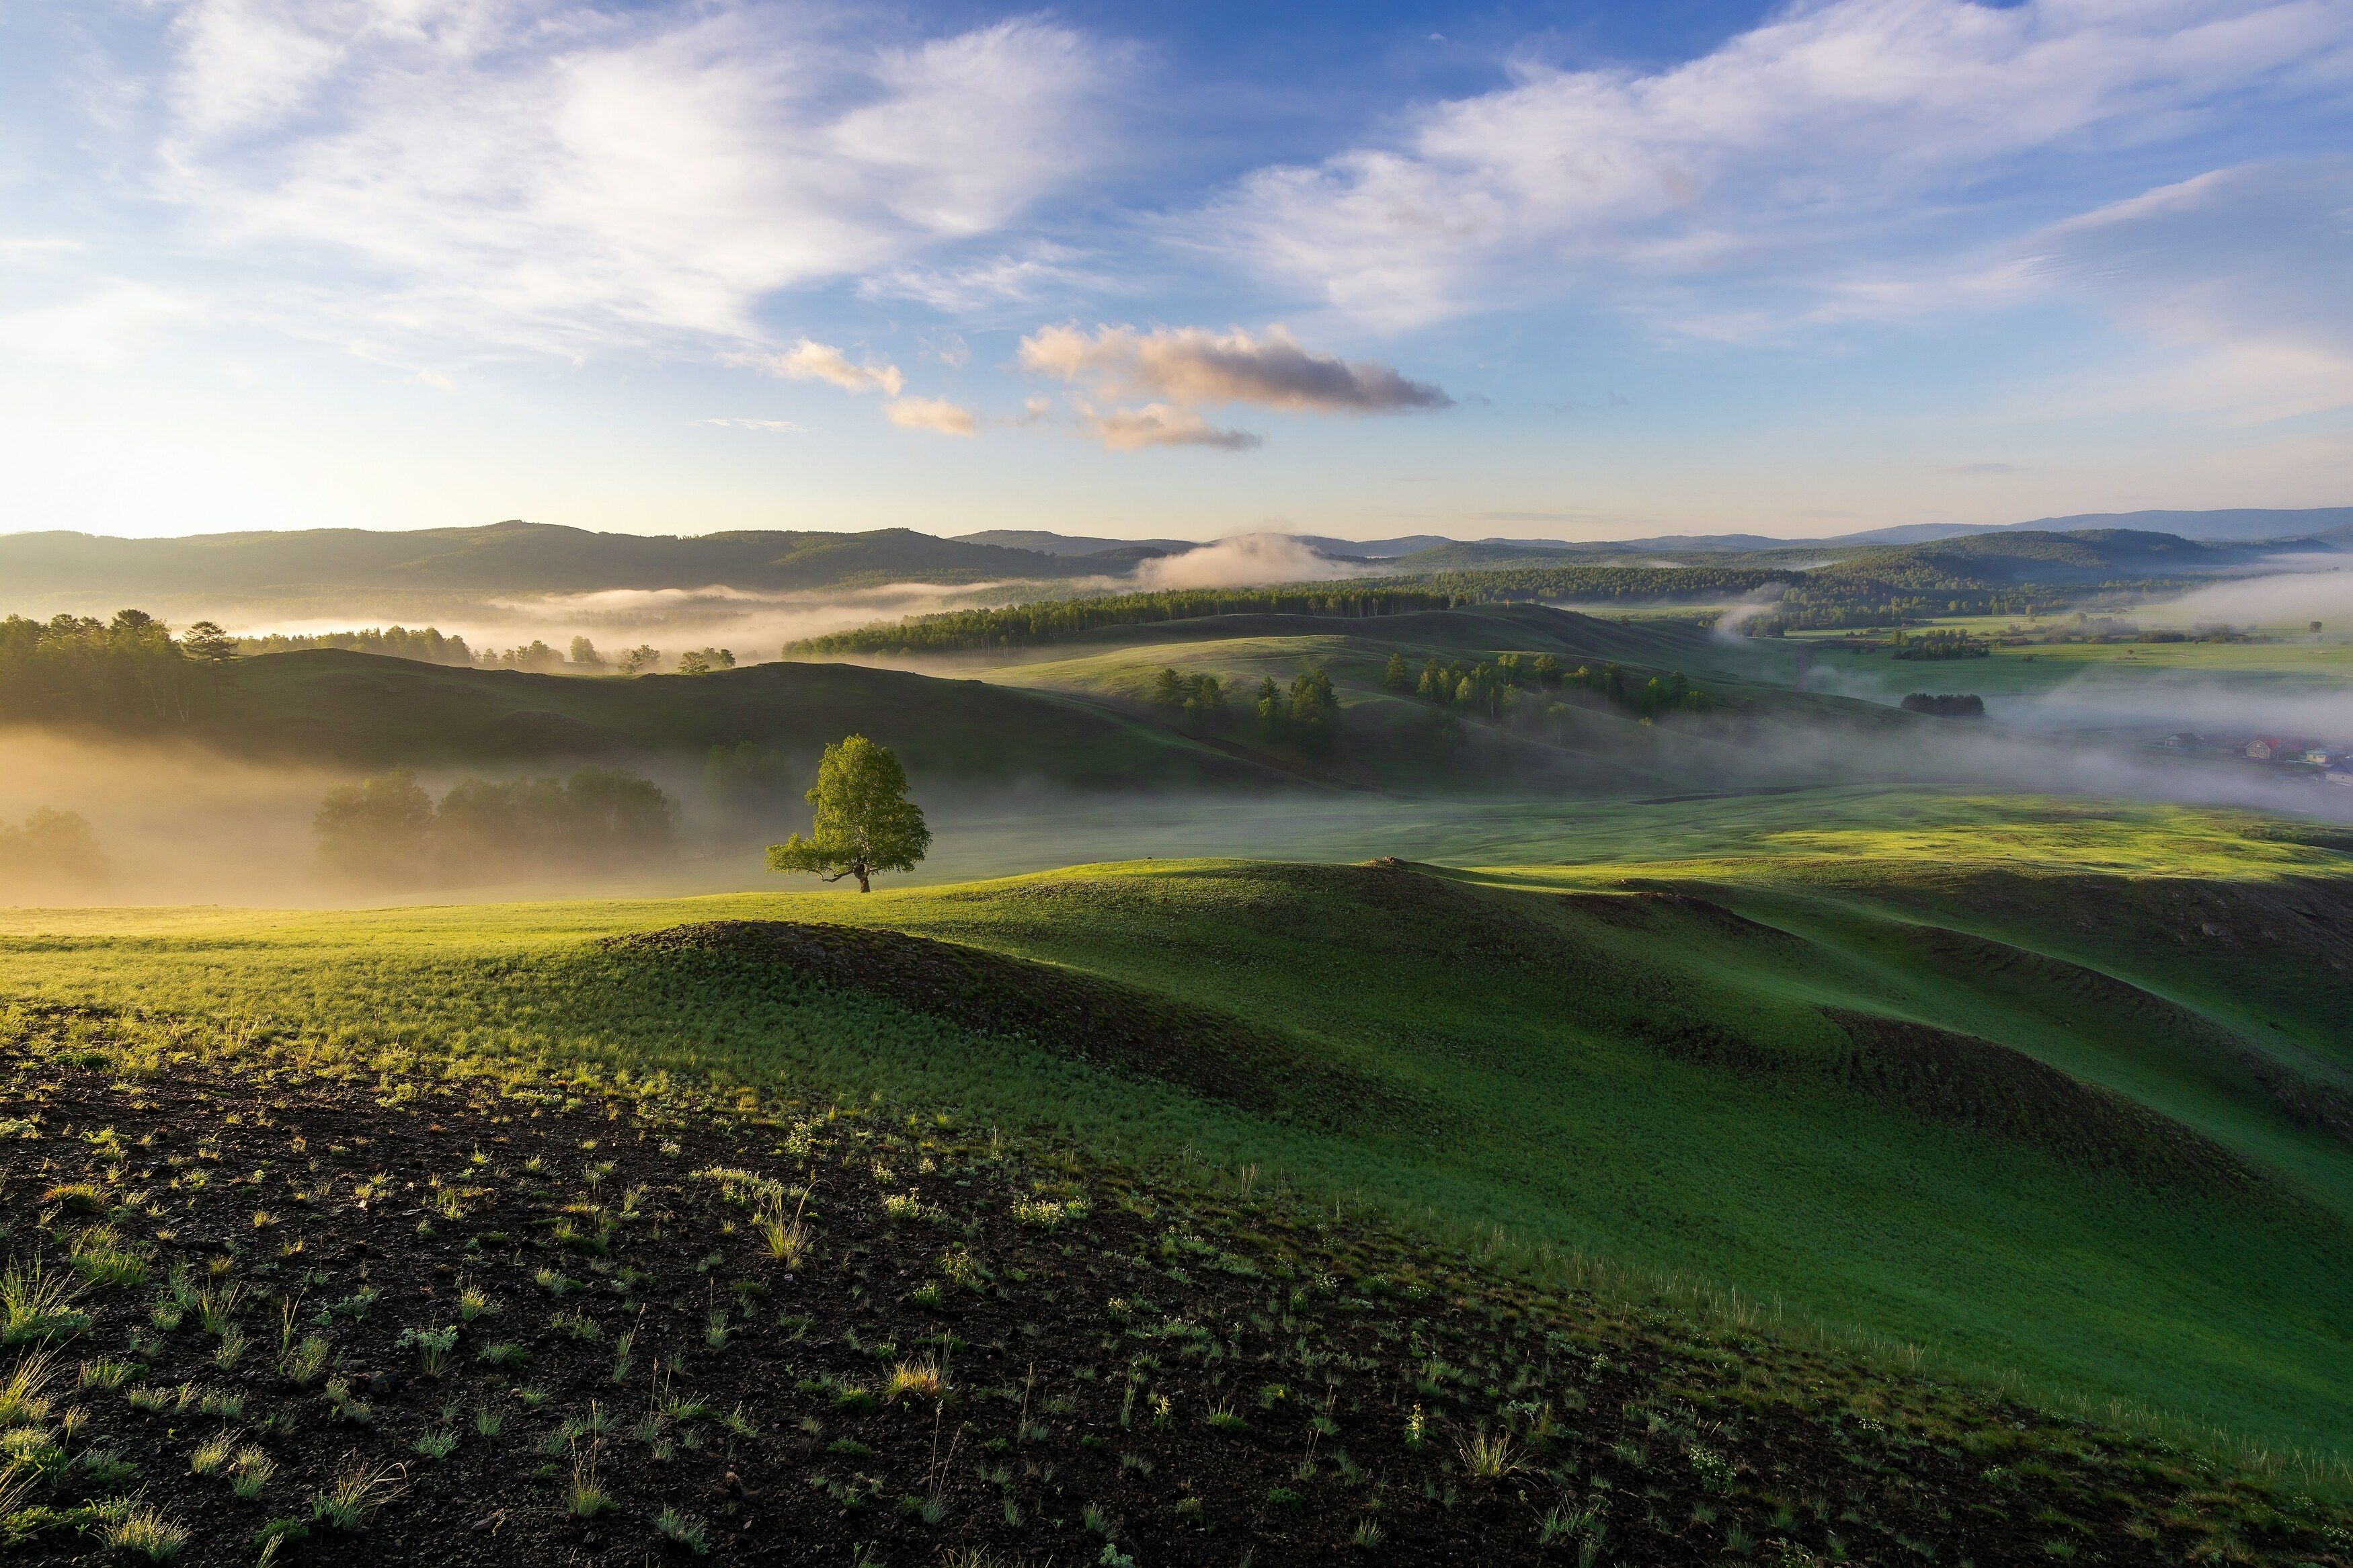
{"x": 1872, "y": 1085}
{"x": 330, "y": 706}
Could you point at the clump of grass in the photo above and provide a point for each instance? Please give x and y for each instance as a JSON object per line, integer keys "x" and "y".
{"x": 250, "y": 1471}
{"x": 1223, "y": 1418}
{"x": 230, "y": 1351}
{"x": 959, "y": 1268}
{"x": 24, "y": 1394}
{"x": 785, "y": 1241}
{"x": 473, "y": 1301}
{"x": 214, "y": 1453}
{"x": 100, "y": 1256}
{"x": 37, "y": 1304}
{"x": 359, "y": 1488}
{"x": 1490, "y": 1458}
{"x": 303, "y": 1363}
{"x": 108, "y": 1371}
{"x": 1049, "y": 1213}
{"x": 918, "y": 1379}
{"x": 432, "y": 1346}
{"x": 683, "y": 1530}
{"x": 438, "y": 1444}
{"x": 587, "y": 1497}
{"x": 76, "y": 1197}
{"x": 144, "y": 1531}
{"x": 503, "y": 1354}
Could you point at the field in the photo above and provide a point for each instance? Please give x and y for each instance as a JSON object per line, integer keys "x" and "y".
{"x": 1705, "y": 1064}
{"x": 2287, "y": 666}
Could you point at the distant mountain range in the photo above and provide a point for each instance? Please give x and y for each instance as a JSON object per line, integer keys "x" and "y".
{"x": 90, "y": 572}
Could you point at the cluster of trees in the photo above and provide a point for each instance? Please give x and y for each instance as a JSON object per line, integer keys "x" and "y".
{"x": 130, "y": 672}
{"x": 1492, "y": 689}
{"x": 49, "y": 849}
{"x": 387, "y": 827}
{"x": 425, "y": 644}
{"x": 430, "y": 645}
{"x": 1201, "y": 699}
{"x": 1304, "y": 715}
{"x": 1022, "y": 625}
{"x": 1610, "y": 585}
{"x": 1946, "y": 704}
{"x": 1940, "y": 645}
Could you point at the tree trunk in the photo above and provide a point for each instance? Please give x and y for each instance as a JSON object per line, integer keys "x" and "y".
{"x": 863, "y": 886}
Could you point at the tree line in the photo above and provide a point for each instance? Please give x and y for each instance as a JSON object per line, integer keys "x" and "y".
{"x": 1492, "y": 689}
{"x": 130, "y": 670}
{"x": 1023, "y": 626}
{"x": 388, "y": 828}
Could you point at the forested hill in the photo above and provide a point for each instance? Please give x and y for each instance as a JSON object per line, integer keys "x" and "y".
{"x": 507, "y": 558}
{"x": 2085, "y": 555}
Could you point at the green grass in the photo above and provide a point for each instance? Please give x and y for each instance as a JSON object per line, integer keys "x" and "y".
{"x": 1522, "y": 1027}
{"x": 328, "y": 706}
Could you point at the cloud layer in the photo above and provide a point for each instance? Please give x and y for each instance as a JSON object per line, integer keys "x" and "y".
{"x": 1839, "y": 123}
{"x": 561, "y": 175}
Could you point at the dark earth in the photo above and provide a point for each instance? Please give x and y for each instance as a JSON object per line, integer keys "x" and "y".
{"x": 976, "y": 1351}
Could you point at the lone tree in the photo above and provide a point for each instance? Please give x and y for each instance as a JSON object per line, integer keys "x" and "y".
{"x": 865, "y": 823}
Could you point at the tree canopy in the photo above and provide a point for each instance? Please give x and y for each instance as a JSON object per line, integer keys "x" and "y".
{"x": 864, "y": 823}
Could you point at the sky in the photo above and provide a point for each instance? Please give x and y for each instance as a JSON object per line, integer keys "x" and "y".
{"x": 1547, "y": 270}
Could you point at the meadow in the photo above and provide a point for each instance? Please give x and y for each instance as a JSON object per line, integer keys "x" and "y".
{"x": 1690, "y": 1068}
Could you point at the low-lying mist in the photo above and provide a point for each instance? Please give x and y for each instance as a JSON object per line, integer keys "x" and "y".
{"x": 754, "y": 627}
{"x": 177, "y": 826}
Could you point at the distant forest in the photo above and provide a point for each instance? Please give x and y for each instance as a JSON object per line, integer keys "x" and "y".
{"x": 1024, "y": 626}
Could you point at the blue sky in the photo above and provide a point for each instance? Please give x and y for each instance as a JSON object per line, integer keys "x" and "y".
{"x": 1551, "y": 270}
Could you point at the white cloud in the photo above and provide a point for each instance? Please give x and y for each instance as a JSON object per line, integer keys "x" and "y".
{"x": 557, "y": 175}
{"x": 809, "y": 361}
{"x": 1193, "y": 368}
{"x": 933, "y": 414}
{"x": 1159, "y": 424}
{"x": 1771, "y": 157}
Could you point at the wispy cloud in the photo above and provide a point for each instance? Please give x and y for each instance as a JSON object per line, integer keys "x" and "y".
{"x": 933, "y": 414}
{"x": 809, "y": 361}
{"x": 1766, "y": 159}
{"x": 562, "y": 176}
{"x": 1159, "y": 424}
{"x": 780, "y": 427}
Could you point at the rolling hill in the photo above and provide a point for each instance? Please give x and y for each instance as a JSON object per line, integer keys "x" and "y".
{"x": 1888, "y": 1081}
{"x": 360, "y": 709}
{"x": 1076, "y": 714}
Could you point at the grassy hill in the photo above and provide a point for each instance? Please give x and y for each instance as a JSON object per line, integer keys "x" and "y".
{"x": 332, "y": 706}
{"x": 2069, "y": 1100}
{"x": 1075, "y": 713}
